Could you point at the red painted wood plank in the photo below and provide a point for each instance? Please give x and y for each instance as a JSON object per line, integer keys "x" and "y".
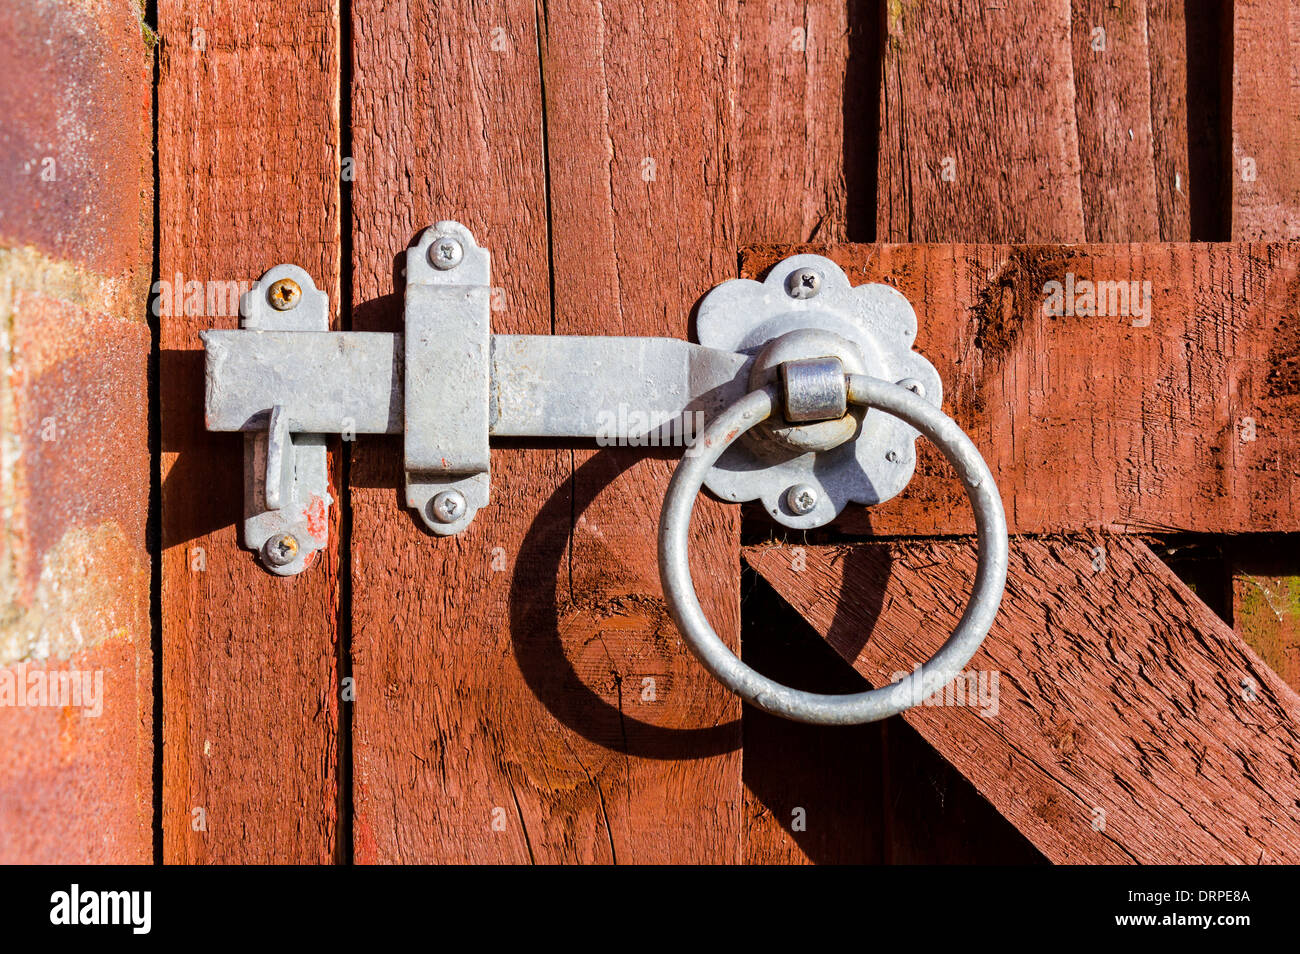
{"x": 1113, "y": 109}
{"x": 979, "y": 140}
{"x": 1167, "y": 58}
{"x": 445, "y": 729}
{"x": 522, "y": 694}
{"x": 1112, "y": 716}
{"x": 806, "y": 171}
{"x": 1266, "y": 119}
{"x": 642, "y": 221}
{"x": 248, "y": 167}
{"x": 1266, "y": 205}
{"x": 1106, "y": 421}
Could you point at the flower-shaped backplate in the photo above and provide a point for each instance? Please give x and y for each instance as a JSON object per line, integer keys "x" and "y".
{"x": 877, "y": 326}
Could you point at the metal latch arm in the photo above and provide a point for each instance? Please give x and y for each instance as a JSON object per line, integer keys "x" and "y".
{"x": 611, "y": 389}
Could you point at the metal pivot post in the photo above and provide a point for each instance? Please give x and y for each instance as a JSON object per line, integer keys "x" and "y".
{"x": 803, "y": 393}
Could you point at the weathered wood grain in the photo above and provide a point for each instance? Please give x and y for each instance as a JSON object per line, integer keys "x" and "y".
{"x": 522, "y": 694}
{"x": 1064, "y": 122}
{"x": 1266, "y": 119}
{"x": 1266, "y": 133}
{"x": 863, "y": 157}
{"x": 1129, "y": 723}
{"x": 1167, "y": 58}
{"x": 1113, "y": 109}
{"x": 978, "y": 132}
{"x": 799, "y": 67}
{"x": 991, "y": 149}
{"x": 1185, "y": 423}
{"x": 248, "y": 176}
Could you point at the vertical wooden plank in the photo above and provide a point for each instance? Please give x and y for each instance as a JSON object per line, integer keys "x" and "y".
{"x": 522, "y": 694}
{"x": 1167, "y": 56}
{"x": 979, "y": 140}
{"x": 638, "y": 95}
{"x": 793, "y": 152}
{"x": 1112, "y": 105}
{"x": 1266, "y": 205}
{"x": 808, "y": 81}
{"x": 1266, "y": 119}
{"x": 248, "y": 171}
{"x": 453, "y": 754}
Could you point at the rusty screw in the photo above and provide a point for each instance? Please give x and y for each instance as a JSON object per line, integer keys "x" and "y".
{"x": 281, "y": 549}
{"x": 284, "y": 294}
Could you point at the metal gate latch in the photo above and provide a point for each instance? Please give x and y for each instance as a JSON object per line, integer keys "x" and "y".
{"x": 803, "y": 392}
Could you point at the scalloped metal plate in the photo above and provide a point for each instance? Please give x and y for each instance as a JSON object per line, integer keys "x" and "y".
{"x": 744, "y": 315}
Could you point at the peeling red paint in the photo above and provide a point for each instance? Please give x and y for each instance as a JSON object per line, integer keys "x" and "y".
{"x": 317, "y": 514}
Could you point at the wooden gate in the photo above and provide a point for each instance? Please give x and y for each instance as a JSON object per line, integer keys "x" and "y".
{"x": 518, "y": 693}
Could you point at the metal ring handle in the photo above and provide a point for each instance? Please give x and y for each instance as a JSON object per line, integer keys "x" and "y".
{"x": 772, "y": 696}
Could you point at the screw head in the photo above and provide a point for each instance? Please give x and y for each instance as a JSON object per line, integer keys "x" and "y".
{"x": 892, "y": 456}
{"x": 803, "y": 283}
{"x": 448, "y": 507}
{"x": 801, "y": 499}
{"x": 284, "y": 294}
{"x": 445, "y": 253}
{"x": 281, "y": 549}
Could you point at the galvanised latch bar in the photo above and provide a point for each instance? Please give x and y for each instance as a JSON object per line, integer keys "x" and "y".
{"x": 803, "y": 392}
